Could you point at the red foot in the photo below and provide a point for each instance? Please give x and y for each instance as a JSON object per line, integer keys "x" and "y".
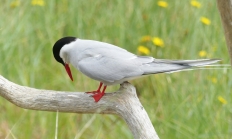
{"x": 97, "y": 95}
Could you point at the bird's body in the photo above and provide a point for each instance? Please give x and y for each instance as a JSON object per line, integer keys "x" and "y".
{"x": 112, "y": 65}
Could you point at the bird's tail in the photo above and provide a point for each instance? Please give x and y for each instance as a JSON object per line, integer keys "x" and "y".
{"x": 168, "y": 66}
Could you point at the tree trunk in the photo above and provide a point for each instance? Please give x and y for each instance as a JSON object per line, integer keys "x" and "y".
{"x": 225, "y": 10}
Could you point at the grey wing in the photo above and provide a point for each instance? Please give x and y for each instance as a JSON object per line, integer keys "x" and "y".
{"x": 108, "y": 63}
{"x": 108, "y": 69}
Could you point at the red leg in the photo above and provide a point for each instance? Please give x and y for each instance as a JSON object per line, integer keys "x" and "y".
{"x": 97, "y": 95}
{"x": 103, "y": 91}
{"x": 98, "y": 90}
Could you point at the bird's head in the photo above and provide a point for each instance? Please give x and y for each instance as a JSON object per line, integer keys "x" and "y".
{"x": 61, "y": 43}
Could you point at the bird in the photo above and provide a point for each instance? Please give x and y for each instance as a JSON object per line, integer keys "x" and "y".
{"x": 111, "y": 65}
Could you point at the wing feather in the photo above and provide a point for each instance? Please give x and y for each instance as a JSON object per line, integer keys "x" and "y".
{"x": 109, "y": 69}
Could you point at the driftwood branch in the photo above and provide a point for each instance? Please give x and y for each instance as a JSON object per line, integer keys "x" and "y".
{"x": 124, "y": 103}
{"x": 225, "y": 10}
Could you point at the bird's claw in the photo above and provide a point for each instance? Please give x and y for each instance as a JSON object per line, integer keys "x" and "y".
{"x": 97, "y": 95}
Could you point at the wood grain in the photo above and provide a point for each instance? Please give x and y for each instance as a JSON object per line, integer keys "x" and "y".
{"x": 124, "y": 103}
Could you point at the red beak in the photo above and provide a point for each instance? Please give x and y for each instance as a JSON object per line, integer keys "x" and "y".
{"x": 68, "y": 71}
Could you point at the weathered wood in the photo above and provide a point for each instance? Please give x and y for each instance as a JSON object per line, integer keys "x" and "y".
{"x": 124, "y": 103}
{"x": 225, "y": 10}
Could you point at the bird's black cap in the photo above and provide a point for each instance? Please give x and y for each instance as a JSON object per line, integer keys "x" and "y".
{"x": 58, "y": 45}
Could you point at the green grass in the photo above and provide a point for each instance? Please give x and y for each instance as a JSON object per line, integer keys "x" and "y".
{"x": 180, "y": 105}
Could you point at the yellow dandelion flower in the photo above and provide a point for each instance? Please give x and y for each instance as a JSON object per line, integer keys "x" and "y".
{"x": 205, "y": 21}
{"x": 202, "y": 53}
{"x": 15, "y": 3}
{"x": 145, "y": 38}
{"x": 162, "y": 3}
{"x": 38, "y": 2}
{"x": 143, "y": 50}
{"x": 195, "y": 3}
{"x": 222, "y": 100}
{"x": 214, "y": 80}
{"x": 158, "y": 41}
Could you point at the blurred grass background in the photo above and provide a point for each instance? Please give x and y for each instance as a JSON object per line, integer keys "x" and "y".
{"x": 180, "y": 105}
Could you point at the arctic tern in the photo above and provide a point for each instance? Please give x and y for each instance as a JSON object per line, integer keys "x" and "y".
{"x": 110, "y": 64}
